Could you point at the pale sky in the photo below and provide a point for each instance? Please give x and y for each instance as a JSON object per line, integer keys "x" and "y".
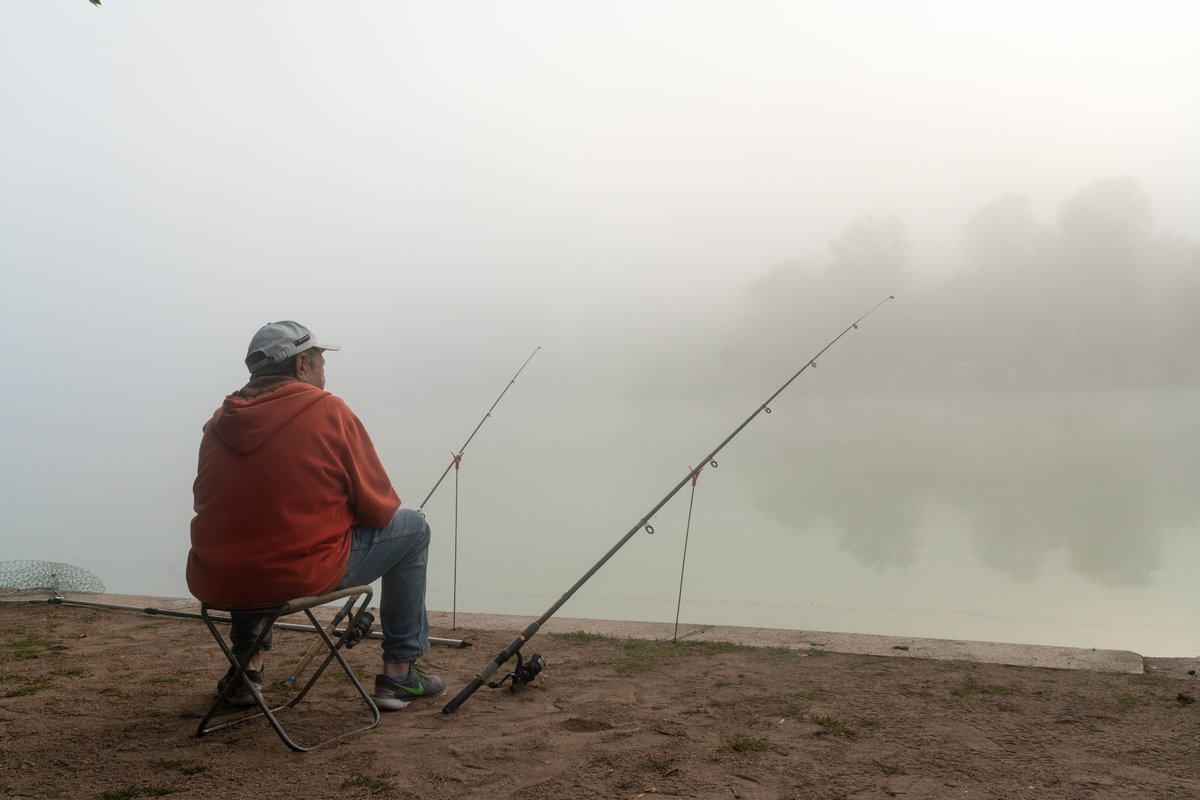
{"x": 441, "y": 187}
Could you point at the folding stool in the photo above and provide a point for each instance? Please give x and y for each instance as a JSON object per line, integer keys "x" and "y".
{"x": 273, "y": 613}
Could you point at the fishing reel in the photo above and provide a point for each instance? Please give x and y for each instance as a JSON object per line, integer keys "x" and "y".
{"x": 525, "y": 672}
{"x": 359, "y": 630}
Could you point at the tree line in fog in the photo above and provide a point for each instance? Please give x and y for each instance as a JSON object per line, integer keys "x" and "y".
{"x": 1095, "y": 298}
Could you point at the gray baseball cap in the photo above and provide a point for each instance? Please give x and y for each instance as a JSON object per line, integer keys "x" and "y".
{"x": 277, "y": 341}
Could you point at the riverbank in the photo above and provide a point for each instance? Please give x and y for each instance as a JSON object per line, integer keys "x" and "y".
{"x": 98, "y": 703}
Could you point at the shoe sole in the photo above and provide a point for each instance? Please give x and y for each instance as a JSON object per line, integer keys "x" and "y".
{"x": 391, "y": 702}
{"x": 241, "y": 700}
{"x": 240, "y": 697}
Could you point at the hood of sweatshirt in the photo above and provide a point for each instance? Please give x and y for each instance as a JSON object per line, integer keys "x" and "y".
{"x": 251, "y": 416}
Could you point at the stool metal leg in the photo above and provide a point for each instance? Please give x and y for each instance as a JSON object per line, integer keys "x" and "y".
{"x": 334, "y": 649}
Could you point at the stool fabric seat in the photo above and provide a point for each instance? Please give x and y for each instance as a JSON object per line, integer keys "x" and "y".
{"x": 355, "y": 619}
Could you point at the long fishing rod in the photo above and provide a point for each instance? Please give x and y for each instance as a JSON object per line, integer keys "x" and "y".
{"x": 455, "y": 463}
{"x": 526, "y": 673}
{"x": 457, "y": 457}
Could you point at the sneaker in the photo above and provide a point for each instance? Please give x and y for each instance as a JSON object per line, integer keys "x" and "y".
{"x": 393, "y": 695}
{"x": 241, "y": 695}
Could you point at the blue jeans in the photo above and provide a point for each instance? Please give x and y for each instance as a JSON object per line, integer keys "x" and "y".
{"x": 396, "y": 553}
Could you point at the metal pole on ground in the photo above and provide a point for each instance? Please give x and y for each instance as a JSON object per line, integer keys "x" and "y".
{"x": 162, "y": 612}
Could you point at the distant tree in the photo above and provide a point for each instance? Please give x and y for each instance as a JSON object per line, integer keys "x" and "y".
{"x": 792, "y": 310}
{"x": 996, "y": 306}
{"x": 1118, "y": 204}
{"x": 1100, "y": 283}
{"x": 873, "y": 249}
{"x": 1173, "y": 264}
{"x": 1003, "y": 233}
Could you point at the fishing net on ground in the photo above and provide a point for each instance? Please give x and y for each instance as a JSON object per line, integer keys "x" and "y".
{"x": 24, "y": 577}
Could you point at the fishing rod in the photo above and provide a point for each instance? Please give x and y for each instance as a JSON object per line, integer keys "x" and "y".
{"x": 456, "y": 458}
{"x": 524, "y": 673}
{"x": 58, "y": 600}
{"x": 455, "y": 463}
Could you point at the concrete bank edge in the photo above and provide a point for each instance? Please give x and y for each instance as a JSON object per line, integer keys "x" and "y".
{"x": 1010, "y": 654}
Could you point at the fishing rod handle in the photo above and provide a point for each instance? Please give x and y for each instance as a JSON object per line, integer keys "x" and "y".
{"x": 501, "y": 658}
{"x": 462, "y": 696}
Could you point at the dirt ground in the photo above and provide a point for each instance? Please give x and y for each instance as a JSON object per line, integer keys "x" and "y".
{"x": 97, "y": 703}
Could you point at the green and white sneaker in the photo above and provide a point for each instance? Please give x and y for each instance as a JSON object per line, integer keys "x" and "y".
{"x": 393, "y": 695}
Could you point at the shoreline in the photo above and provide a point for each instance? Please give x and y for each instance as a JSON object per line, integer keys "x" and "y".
{"x": 984, "y": 652}
{"x": 104, "y": 700}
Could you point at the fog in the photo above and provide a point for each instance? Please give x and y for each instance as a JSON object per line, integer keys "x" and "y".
{"x": 680, "y": 203}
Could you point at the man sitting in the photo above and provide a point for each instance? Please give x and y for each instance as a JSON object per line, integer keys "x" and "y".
{"x": 292, "y": 501}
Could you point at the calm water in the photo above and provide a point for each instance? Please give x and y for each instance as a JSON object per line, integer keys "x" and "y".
{"x": 1068, "y": 520}
{"x": 1051, "y": 520}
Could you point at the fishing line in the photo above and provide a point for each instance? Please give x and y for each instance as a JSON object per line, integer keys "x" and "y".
{"x": 532, "y": 629}
{"x": 455, "y": 463}
{"x": 454, "y": 576}
{"x": 686, "y": 533}
{"x": 455, "y": 458}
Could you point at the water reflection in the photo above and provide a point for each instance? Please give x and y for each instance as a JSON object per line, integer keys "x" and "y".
{"x": 1026, "y": 476}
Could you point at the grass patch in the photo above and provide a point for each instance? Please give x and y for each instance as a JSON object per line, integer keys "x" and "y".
{"x": 184, "y": 767}
{"x": 641, "y": 654}
{"x": 365, "y": 782}
{"x": 781, "y": 652}
{"x": 659, "y": 649}
{"x": 579, "y": 637}
{"x": 893, "y": 769}
{"x": 31, "y": 686}
{"x": 111, "y": 691}
{"x": 130, "y": 792}
{"x": 712, "y": 648}
{"x": 816, "y": 652}
{"x": 833, "y": 726}
{"x": 868, "y": 661}
{"x": 120, "y": 794}
{"x": 161, "y": 680}
{"x": 658, "y": 764}
{"x": 1127, "y": 699}
{"x": 971, "y": 687}
{"x": 746, "y": 744}
{"x": 27, "y": 645}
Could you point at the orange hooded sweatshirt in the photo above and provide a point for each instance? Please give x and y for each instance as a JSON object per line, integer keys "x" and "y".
{"x": 286, "y": 471}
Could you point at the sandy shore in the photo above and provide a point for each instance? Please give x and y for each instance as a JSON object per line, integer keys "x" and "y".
{"x": 102, "y": 703}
